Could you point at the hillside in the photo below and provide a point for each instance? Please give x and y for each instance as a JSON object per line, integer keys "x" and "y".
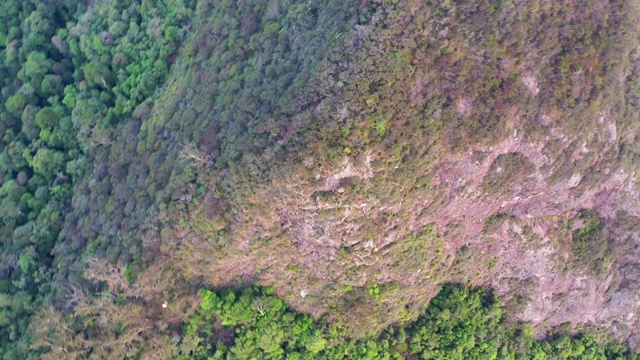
{"x": 343, "y": 163}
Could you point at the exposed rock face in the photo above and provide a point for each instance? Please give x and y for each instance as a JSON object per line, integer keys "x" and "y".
{"x": 532, "y": 241}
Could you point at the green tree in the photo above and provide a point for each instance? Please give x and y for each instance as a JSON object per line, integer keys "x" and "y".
{"x": 37, "y": 64}
{"x": 47, "y": 162}
{"x": 29, "y": 126}
{"x": 15, "y": 104}
{"x": 46, "y": 118}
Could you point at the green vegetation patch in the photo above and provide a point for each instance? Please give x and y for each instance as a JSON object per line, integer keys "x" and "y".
{"x": 460, "y": 323}
{"x": 590, "y": 246}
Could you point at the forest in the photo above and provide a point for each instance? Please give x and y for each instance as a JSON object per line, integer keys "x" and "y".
{"x": 334, "y": 179}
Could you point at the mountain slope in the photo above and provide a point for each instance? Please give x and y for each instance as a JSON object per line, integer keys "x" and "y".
{"x": 356, "y": 155}
{"x": 455, "y": 142}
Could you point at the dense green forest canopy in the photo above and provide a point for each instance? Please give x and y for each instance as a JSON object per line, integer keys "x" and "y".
{"x": 69, "y": 75}
{"x": 136, "y": 138}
